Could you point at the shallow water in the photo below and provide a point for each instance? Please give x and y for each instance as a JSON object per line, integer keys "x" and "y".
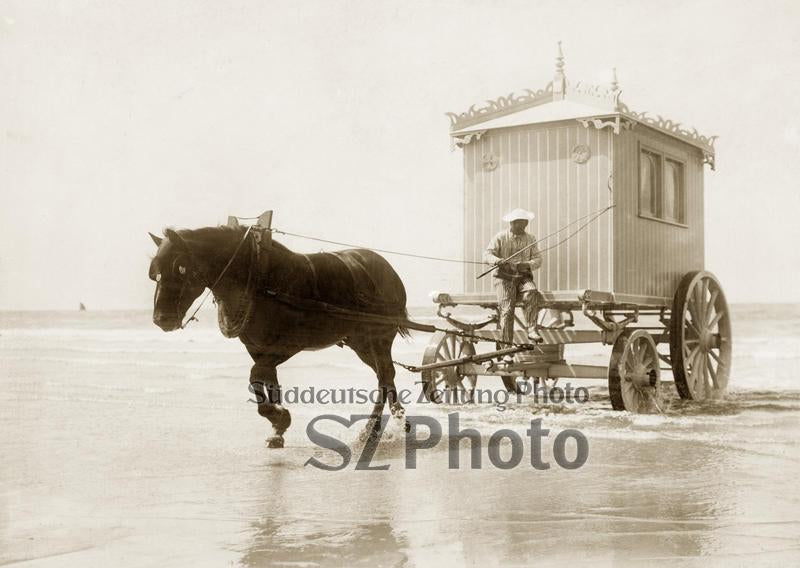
{"x": 123, "y": 445}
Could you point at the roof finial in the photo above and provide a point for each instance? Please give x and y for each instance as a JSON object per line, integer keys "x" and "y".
{"x": 614, "y": 82}
{"x": 559, "y": 81}
{"x": 560, "y": 60}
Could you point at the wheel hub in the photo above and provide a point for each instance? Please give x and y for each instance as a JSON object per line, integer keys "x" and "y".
{"x": 706, "y": 340}
{"x": 640, "y": 377}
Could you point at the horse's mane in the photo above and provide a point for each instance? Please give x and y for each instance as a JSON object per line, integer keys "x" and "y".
{"x": 218, "y": 237}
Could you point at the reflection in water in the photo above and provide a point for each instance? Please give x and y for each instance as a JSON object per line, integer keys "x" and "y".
{"x": 315, "y": 542}
{"x": 292, "y": 526}
{"x": 678, "y": 485}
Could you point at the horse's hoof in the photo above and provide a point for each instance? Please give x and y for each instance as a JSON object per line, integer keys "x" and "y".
{"x": 365, "y": 435}
{"x": 275, "y": 442}
{"x": 369, "y": 435}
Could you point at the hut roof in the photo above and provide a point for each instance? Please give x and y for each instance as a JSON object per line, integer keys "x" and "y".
{"x": 561, "y": 99}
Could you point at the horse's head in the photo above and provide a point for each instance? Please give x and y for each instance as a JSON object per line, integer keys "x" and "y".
{"x": 178, "y": 283}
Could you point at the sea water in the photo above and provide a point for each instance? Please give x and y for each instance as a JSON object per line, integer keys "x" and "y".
{"x": 124, "y": 445}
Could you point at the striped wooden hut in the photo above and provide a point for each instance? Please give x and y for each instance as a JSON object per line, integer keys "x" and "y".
{"x": 567, "y": 152}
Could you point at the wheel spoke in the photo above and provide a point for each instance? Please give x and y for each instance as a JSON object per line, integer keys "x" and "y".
{"x": 714, "y": 355}
{"x": 703, "y": 301}
{"x": 711, "y": 371}
{"x": 627, "y": 366}
{"x": 644, "y": 351}
{"x": 703, "y": 297}
{"x": 692, "y": 305}
{"x": 704, "y": 371}
{"x": 692, "y": 354}
{"x": 634, "y": 353}
{"x": 693, "y": 327}
{"x": 715, "y": 320}
{"x": 697, "y": 373}
{"x": 447, "y": 354}
{"x": 711, "y": 305}
{"x": 698, "y": 296}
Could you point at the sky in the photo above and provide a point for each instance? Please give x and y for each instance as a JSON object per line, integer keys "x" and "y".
{"x": 119, "y": 118}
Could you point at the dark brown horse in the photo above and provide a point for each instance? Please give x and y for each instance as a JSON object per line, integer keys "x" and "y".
{"x": 279, "y": 303}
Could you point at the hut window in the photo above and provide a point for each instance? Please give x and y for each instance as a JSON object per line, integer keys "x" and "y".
{"x": 673, "y": 191}
{"x": 661, "y": 187}
{"x": 650, "y": 184}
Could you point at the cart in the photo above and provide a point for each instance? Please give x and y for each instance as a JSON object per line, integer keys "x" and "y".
{"x": 635, "y": 269}
{"x": 691, "y": 336}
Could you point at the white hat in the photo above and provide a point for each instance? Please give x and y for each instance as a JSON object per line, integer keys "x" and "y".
{"x": 518, "y": 214}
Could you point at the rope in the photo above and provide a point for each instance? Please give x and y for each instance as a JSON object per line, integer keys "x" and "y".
{"x": 520, "y": 251}
{"x": 594, "y": 214}
{"x": 442, "y": 259}
{"x": 578, "y": 230}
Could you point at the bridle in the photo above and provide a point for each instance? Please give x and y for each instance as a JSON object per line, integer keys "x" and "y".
{"x": 197, "y": 273}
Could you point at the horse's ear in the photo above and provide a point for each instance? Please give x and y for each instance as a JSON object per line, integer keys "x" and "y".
{"x": 175, "y": 238}
{"x": 156, "y": 239}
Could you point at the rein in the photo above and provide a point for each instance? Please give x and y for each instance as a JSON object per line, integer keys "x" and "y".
{"x": 218, "y": 279}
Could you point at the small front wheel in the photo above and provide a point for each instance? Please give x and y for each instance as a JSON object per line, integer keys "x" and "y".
{"x": 634, "y": 373}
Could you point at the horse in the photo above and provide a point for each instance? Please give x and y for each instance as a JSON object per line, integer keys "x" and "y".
{"x": 279, "y": 303}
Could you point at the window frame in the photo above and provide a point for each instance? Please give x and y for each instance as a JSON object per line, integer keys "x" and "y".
{"x": 662, "y": 158}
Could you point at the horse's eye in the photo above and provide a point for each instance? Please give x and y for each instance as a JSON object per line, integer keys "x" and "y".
{"x": 182, "y": 269}
{"x": 158, "y": 277}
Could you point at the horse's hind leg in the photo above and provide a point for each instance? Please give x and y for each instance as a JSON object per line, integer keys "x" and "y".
{"x": 377, "y": 353}
{"x": 264, "y": 385}
{"x": 384, "y": 368}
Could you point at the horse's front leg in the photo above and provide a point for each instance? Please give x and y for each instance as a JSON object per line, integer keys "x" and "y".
{"x": 265, "y": 386}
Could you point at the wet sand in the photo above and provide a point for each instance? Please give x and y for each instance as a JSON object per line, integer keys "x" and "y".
{"x": 125, "y": 446}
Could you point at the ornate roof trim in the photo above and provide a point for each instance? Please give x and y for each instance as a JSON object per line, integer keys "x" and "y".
{"x": 606, "y": 98}
{"x": 500, "y": 106}
{"x": 676, "y": 130}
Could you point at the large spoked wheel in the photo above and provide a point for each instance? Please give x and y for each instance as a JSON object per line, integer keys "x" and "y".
{"x": 634, "y": 374}
{"x": 700, "y": 337}
{"x": 447, "y": 383}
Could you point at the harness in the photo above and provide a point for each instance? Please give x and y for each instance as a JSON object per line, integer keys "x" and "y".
{"x": 232, "y": 315}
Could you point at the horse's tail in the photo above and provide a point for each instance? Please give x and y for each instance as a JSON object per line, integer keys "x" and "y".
{"x": 404, "y": 327}
{"x": 403, "y": 331}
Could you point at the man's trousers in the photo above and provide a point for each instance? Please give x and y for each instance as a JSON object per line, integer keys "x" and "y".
{"x": 509, "y": 292}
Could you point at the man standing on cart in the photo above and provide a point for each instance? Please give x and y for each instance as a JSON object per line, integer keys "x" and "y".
{"x": 514, "y": 276}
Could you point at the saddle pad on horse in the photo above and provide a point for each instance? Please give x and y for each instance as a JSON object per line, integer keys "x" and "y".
{"x": 358, "y": 279}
